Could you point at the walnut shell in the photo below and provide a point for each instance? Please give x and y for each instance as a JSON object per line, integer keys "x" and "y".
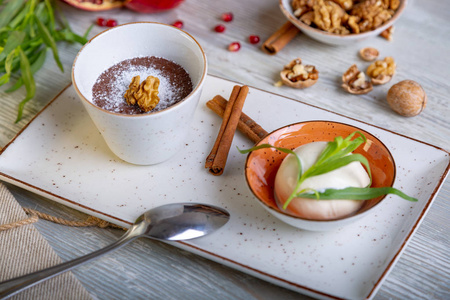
{"x": 407, "y": 98}
{"x": 356, "y": 91}
{"x": 300, "y": 84}
{"x": 381, "y": 79}
{"x": 350, "y": 77}
{"x": 369, "y": 53}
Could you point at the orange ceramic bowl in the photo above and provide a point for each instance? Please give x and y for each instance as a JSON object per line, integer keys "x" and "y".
{"x": 262, "y": 166}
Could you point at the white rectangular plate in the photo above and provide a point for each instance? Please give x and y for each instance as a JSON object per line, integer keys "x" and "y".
{"x": 62, "y": 156}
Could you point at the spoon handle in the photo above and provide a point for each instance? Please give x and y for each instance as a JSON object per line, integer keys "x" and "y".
{"x": 13, "y": 286}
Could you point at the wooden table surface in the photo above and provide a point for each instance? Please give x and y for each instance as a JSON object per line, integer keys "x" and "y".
{"x": 148, "y": 269}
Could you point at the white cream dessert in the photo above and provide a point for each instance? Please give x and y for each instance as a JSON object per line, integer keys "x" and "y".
{"x": 351, "y": 175}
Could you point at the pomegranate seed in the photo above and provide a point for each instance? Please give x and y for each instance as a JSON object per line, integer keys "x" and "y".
{"x": 227, "y": 17}
{"x": 219, "y": 28}
{"x": 235, "y": 46}
{"x": 111, "y": 23}
{"x": 178, "y": 24}
{"x": 254, "y": 39}
{"x": 101, "y": 22}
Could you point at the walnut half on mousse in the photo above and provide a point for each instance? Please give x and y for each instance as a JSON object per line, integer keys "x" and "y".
{"x": 299, "y": 76}
{"x": 144, "y": 94}
{"x": 354, "y": 81}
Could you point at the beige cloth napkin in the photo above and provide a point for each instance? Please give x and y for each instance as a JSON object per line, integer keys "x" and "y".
{"x": 24, "y": 250}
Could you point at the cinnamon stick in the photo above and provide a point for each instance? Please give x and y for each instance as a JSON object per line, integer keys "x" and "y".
{"x": 217, "y": 159}
{"x": 246, "y": 125}
{"x": 280, "y": 38}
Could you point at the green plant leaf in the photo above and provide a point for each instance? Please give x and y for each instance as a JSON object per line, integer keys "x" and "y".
{"x": 18, "y": 18}
{"x": 8, "y": 67}
{"x": 27, "y": 24}
{"x": 49, "y": 41}
{"x": 34, "y": 67}
{"x": 284, "y": 150}
{"x": 28, "y": 80}
{"x": 86, "y": 33}
{"x": 14, "y": 40}
{"x": 42, "y": 14}
{"x": 336, "y": 163}
{"x": 69, "y": 36}
{"x": 354, "y": 193}
{"x": 51, "y": 15}
{"x": 9, "y": 11}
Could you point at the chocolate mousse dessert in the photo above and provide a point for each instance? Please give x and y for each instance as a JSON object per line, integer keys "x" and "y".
{"x": 168, "y": 82}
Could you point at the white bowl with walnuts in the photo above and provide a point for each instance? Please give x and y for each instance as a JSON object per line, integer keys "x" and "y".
{"x": 341, "y": 22}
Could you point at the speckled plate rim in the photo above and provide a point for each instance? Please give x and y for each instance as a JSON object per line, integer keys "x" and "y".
{"x": 226, "y": 261}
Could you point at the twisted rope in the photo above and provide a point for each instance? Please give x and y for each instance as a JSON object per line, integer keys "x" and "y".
{"x": 30, "y": 220}
{"x": 36, "y": 215}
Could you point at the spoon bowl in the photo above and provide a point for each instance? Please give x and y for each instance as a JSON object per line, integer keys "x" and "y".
{"x": 178, "y": 221}
{"x": 170, "y": 222}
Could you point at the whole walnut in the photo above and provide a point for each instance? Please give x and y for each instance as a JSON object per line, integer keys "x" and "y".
{"x": 407, "y": 98}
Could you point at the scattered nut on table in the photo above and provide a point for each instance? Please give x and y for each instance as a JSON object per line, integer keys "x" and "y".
{"x": 299, "y": 76}
{"x": 354, "y": 81}
{"x": 388, "y": 33}
{"x": 369, "y": 53}
{"x": 407, "y": 98}
{"x": 381, "y": 71}
{"x": 145, "y": 95}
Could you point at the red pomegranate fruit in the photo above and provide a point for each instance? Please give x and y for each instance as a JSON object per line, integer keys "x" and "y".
{"x": 96, "y": 5}
{"x": 142, "y": 6}
{"x": 234, "y": 47}
{"x": 219, "y": 28}
{"x": 151, "y": 6}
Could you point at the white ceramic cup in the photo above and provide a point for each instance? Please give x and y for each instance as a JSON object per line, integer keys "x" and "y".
{"x": 150, "y": 138}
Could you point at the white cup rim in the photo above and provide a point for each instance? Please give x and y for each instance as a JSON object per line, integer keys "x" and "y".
{"x": 194, "y": 90}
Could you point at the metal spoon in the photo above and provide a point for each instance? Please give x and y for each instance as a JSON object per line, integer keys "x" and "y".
{"x": 171, "y": 222}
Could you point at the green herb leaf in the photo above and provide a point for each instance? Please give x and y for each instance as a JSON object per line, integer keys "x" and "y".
{"x": 336, "y": 163}
{"x": 51, "y": 15}
{"x": 284, "y": 150}
{"x": 9, "y": 11}
{"x": 69, "y": 36}
{"x": 49, "y": 41}
{"x": 354, "y": 193}
{"x": 13, "y": 41}
{"x": 8, "y": 67}
{"x": 34, "y": 67}
{"x": 17, "y": 19}
{"x": 28, "y": 80}
{"x": 336, "y": 154}
{"x": 85, "y": 35}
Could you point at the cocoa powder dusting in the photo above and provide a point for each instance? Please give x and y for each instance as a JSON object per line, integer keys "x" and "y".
{"x": 109, "y": 88}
